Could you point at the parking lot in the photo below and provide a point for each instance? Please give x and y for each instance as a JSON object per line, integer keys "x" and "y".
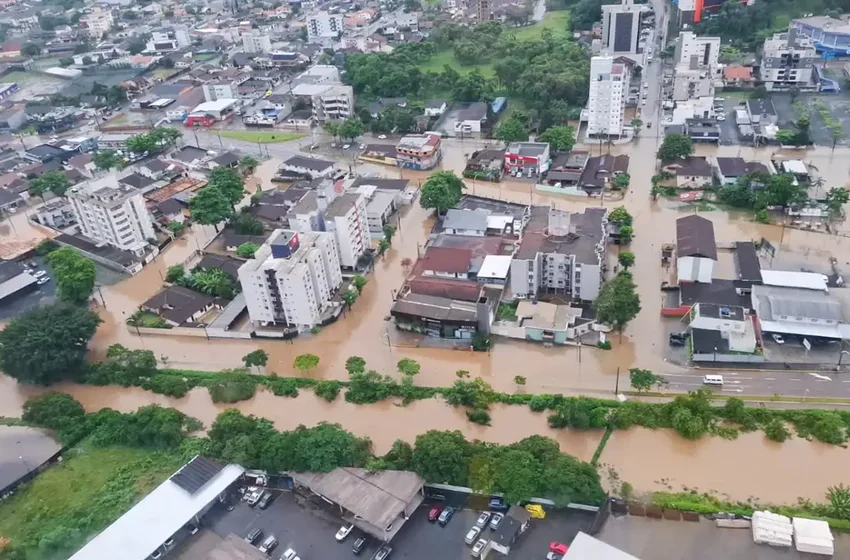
{"x": 309, "y": 528}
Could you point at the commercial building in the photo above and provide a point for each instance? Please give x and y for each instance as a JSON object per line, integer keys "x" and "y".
{"x": 347, "y": 219}
{"x": 609, "y": 85}
{"x": 798, "y": 311}
{"x": 182, "y": 499}
{"x": 170, "y": 39}
{"x": 220, "y": 89}
{"x": 292, "y": 279}
{"x": 696, "y": 249}
{"x": 331, "y": 101}
{"x": 828, "y": 34}
{"x": 732, "y": 323}
{"x": 323, "y": 26}
{"x": 210, "y": 112}
{"x": 560, "y": 253}
{"x": 529, "y": 159}
{"x": 788, "y": 61}
{"x": 113, "y": 213}
{"x": 621, "y": 27}
{"x": 15, "y": 281}
{"x": 256, "y": 42}
{"x": 419, "y": 151}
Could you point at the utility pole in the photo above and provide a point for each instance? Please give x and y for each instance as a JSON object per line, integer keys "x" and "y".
{"x": 617, "y": 385}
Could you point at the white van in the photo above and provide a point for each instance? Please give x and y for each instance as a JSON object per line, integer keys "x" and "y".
{"x": 712, "y": 380}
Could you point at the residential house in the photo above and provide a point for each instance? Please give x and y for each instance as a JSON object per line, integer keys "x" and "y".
{"x": 529, "y": 159}
{"x": 732, "y": 323}
{"x": 419, "y": 151}
{"x": 375, "y": 109}
{"x": 694, "y": 172}
{"x": 599, "y": 171}
{"x": 308, "y": 167}
{"x": 696, "y": 249}
{"x": 435, "y": 107}
{"x": 13, "y": 119}
{"x": 730, "y": 169}
{"x": 471, "y": 120}
{"x": 465, "y": 222}
{"x": 737, "y": 75}
{"x": 178, "y": 306}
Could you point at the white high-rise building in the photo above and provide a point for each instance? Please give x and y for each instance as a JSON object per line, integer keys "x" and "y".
{"x": 346, "y": 217}
{"x": 323, "y": 25}
{"x": 292, "y": 279}
{"x": 705, "y": 49}
{"x": 98, "y": 22}
{"x": 621, "y": 27}
{"x": 609, "y": 86}
{"x": 256, "y": 43}
{"x": 697, "y": 66}
{"x": 114, "y": 213}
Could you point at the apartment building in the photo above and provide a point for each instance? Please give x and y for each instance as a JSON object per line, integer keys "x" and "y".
{"x": 419, "y": 151}
{"x": 609, "y": 86}
{"x": 98, "y": 22}
{"x": 621, "y": 27}
{"x": 347, "y": 218}
{"x": 705, "y": 49}
{"x": 323, "y": 25}
{"x": 333, "y": 102}
{"x": 292, "y": 279}
{"x": 221, "y": 89}
{"x": 788, "y": 61}
{"x": 111, "y": 212}
{"x": 560, "y": 253}
{"x": 697, "y": 66}
{"x": 256, "y": 43}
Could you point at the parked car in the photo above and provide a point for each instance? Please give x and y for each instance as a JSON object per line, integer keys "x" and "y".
{"x": 382, "y": 137}
{"x": 479, "y": 546}
{"x": 359, "y": 545}
{"x": 435, "y": 512}
{"x": 266, "y": 500}
{"x": 446, "y": 516}
{"x": 497, "y": 503}
{"x": 558, "y": 548}
{"x": 777, "y": 338}
{"x": 553, "y": 556}
{"x": 343, "y": 532}
{"x": 169, "y": 543}
{"x": 43, "y": 280}
{"x": 268, "y": 545}
{"x": 483, "y": 519}
{"x": 39, "y": 273}
{"x": 497, "y": 518}
{"x": 721, "y": 118}
{"x": 254, "y": 536}
{"x": 346, "y": 146}
{"x": 289, "y": 554}
{"x": 383, "y": 553}
{"x": 472, "y": 535}
{"x": 676, "y": 341}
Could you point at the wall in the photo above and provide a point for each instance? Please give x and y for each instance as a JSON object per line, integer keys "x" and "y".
{"x": 729, "y": 358}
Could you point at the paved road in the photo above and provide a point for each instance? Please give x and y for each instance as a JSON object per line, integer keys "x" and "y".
{"x": 767, "y": 383}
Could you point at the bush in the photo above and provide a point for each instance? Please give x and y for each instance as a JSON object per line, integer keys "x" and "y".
{"x": 55, "y": 411}
{"x": 45, "y": 247}
{"x": 369, "y": 387}
{"x": 169, "y": 385}
{"x": 478, "y": 416}
{"x": 604, "y": 345}
{"x": 539, "y": 403}
{"x": 776, "y": 430}
{"x": 283, "y": 387}
{"x": 327, "y": 390}
{"x": 232, "y": 387}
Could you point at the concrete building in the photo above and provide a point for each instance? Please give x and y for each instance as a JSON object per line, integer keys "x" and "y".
{"x": 799, "y": 311}
{"x": 696, "y": 249}
{"x": 323, "y": 26}
{"x": 419, "y": 151}
{"x": 170, "y": 39}
{"x": 621, "y": 27}
{"x": 829, "y": 35}
{"x": 696, "y": 67}
{"x": 705, "y": 49}
{"x": 732, "y": 322}
{"x": 329, "y": 101}
{"x": 530, "y": 159}
{"x": 560, "y": 253}
{"x": 113, "y": 213}
{"x": 15, "y": 281}
{"x": 609, "y": 86}
{"x": 787, "y": 62}
{"x": 292, "y": 279}
{"x": 256, "y": 43}
{"x": 98, "y": 22}
{"x": 347, "y": 218}
{"x": 220, "y": 89}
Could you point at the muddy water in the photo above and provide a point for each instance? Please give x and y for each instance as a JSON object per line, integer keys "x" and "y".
{"x": 750, "y": 466}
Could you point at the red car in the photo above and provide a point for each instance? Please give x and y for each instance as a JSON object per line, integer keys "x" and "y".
{"x": 435, "y": 512}
{"x": 558, "y": 548}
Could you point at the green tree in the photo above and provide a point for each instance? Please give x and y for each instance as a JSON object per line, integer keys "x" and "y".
{"x": 75, "y": 274}
{"x": 560, "y": 138}
{"x": 839, "y": 501}
{"x": 675, "y": 146}
{"x": 622, "y": 180}
{"x": 355, "y": 364}
{"x": 247, "y": 250}
{"x": 47, "y": 344}
{"x": 175, "y": 227}
{"x": 518, "y": 475}
{"x": 775, "y": 430}
{"x": 383, "y": 246}
{"x": 620, "y": 216}
{"x": 53, "y": 181}
{"x": 140, "y": 144}
{"x": 512, "y": 130}
{"x": 30, "y": 49}
{"x": 617, "y": 302}
{"x": 389, "y": 232}
{"x": 107, "y": 159}
{"x": 352, "y": 128}
{"x": 228, "y": 182}
{"x": 442, "y": 190}
{"x": 248, "y": 165}
{"x": 626, "y": 234}
{"x": 306, "y": 362}
{"x": 626, "y": 259}
{"x": 406, "y": 366}
{"x": 441, "y": 457}
{"x": 332, "y": 128}
{"x": 246, "y": 224}
{"x": 210, "y": 207}
{"x": 349, "y": 297}
{"x": 637, "y": 125}
{"x": 54, "y": 411}
{"x": 836, "y": 198}
{"x": 359, "y": 281}
{"x": 175, "y": 273}
{"x": 519, "y": 380}
{"x": 644, "y": 379}
{"x": 213, "y": 281}
{"x": 258, "y": 358}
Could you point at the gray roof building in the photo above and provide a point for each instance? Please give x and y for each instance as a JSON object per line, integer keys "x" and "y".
{"x": 468, "y": 220}
{"x": 695, "y": 237}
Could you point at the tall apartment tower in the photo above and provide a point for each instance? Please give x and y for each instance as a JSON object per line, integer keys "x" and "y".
{"x": 346, "y": 217}
{"x": 292, "y": 279}
{"x": 621, "y": 27}
{"x": 609, "y": 86}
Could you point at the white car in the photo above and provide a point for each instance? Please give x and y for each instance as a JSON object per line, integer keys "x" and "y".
{"x": 43, "y": 280}
{"x": 289, "y": 554}
{"x": 479, "y": 546}
{"x": 646, "y": 85}
{"x": 777, "y": 339}
{"x": 346, "y": 146}
{"x": 643, "y": 102}
{"x": 382, "y": 137}
{"x": 497, "y": 518}
{"x": 39, "y": 273}
{"x": 483, "y": 519}
{"x": 344, "y": 532}
{"x": 721, "y": 118}
{"x": 472, "y": 535}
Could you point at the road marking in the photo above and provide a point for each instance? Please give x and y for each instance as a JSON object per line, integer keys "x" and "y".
{"x": 735, "y": 390}
{"x": 794, "y": 379}
{"x": 821, "y": 377}
{"x": 770, "y": 379}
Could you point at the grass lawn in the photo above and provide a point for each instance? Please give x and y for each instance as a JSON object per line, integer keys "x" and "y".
{"x": 163, "y": 73}
{"x": 53, "y": 515}
{"x": 23, "y": 78}
{"x": 436, "y": 63}
{"x": 263, "y": 137}
{"x": 557, "y": 22}
{"x": 204, "y": 57}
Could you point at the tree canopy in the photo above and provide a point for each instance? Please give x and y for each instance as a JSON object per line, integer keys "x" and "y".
{"x": 210, "y": 207}
{"x": 107, "y": 159}
{"x": 560, "y": 138}
{"x": 675, "y": 146}
{"x": 306, "y": 362}
{"x": 75, "y": 274}
{"x": 644, "y": 379}
{"x": 52, "y": 181}
{"x": 228, "y": 182}
{"x": 617, "y": 302}
{"x": 620, "y": 216}
{"x": 47, "y": 344}
{"x": 512, "y": 130}
{"x": 442, "y": 190}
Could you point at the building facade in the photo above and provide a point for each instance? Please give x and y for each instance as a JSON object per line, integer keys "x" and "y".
{"x": 347, "y": 218}
{"x": 110, "y": 212}
{"x": 333, "y": 102}
{"x": 609, "y": 86}
{"x": 788, "y": 62}
{"x": 256, "y": 43}
{"x": 292, "y": 279}
{"x": 220, "y": 89}
{"x": 419, "y": 151}
{"x": 323, "y": 25}
{"x": 99, "y": 22}
{"x": 621, "y": 27}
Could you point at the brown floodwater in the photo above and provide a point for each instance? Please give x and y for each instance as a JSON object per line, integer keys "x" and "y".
{"x": 748, "y": 467}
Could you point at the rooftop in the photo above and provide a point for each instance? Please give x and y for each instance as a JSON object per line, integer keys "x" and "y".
{"x": 719, "y": 291}
{"x": 314, "y": 164}
{"x": 215, "y": 106}
{"x": 747, "y": 260}
{"x": 436, "y": 308}
{"x": 795, "y": 279}
{"x": 527, "y": 149}
{"x": 773, "y": 303}
{"x": 342, "y": 205}
{"x": 474, "y": 220}
{"x": 694, "y": 166}
{"x": 583, "y": 240}
{"x": 177, "y": 304}
{"x": 23, "y": 450}
{"x": 726, "y": 312}
{"x": 188, "y": 154}
{"x": 446, "y": 259}
{"x": 381, "y": 184}
{"x": 695, "y": 237}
